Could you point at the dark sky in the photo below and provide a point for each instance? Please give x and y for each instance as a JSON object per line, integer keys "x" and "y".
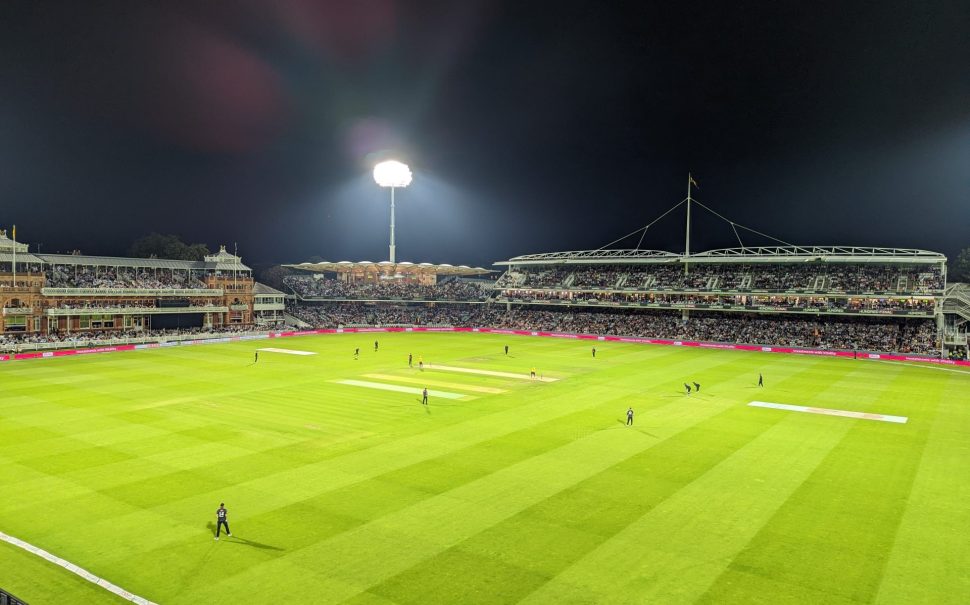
{"x": 530, "y": 126}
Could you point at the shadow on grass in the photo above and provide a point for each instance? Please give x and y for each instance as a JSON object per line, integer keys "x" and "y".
{"x": 243, "y": 541}
{"x": 623, "y": 425}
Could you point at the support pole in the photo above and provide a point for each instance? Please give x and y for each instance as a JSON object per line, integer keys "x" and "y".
{"x": 14, "y": 256}
{"x": 687, "y": 237}
{"x": 392, "y": 226}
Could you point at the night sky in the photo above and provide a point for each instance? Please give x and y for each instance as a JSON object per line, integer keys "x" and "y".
{"x": 530, "y": 126}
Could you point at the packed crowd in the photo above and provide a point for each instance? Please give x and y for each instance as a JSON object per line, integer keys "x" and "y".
{"x": 20, "y": 342}
{"x": 359, "y": 314}
{"x": 596, "y": 277}
{"x": 780, "y": 303}
{"x": 125, "y": 305}
{"x": 733, "y": 277}
{"x": 308, "y": 287}
{"x": 60, "y": 276}
{"x": 824, "y": 332}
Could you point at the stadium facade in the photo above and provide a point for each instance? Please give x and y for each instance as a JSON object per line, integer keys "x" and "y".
{"x": 75, "y": 294}
{"x": 870, "y": 299}
{"x": 907, "y": 286}
{"x": 899, "y": 296}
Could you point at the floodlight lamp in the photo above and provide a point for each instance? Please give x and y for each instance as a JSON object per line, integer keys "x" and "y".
{"x": 392, "y": 174}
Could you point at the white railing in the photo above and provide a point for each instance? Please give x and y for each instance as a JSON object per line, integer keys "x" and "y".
{"x": 131, "y": 291}
{"x": 65, "y": 311}
{"x": 18, "y": 310}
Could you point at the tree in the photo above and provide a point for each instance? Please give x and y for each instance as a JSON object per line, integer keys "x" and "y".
{"x": 273, "y": 276}
{"x": 960, "y": 269}
{"x": 195, "y": 252}
{"x": 166, "y": 246}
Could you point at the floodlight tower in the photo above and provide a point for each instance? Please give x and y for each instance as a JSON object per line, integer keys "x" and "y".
{"x": 392, "y": 174}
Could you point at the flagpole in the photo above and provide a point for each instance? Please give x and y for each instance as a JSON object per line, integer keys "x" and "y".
{"x": 15, "y": 256}
{"x": 687, "y": 237}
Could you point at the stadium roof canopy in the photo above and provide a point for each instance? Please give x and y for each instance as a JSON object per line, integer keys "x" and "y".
{"x": 214, "y": 262}
{"x": 389, "y": 268}
{"x": 775, "y": 254}
{"x": 261, "y": 289}
{"x": 7, "y": 246}
{"x": 22, "y": 258}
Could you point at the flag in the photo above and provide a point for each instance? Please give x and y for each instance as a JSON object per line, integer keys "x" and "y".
{"x": 692, "y": 181}
{"x": 15, "y": 233}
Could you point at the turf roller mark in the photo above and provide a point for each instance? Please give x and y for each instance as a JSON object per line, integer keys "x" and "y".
{"x": 399, "y": 389}
{"x": 489, "y": 373}
{"x": 829, "y": 412}
{"x": 437, "y": 383}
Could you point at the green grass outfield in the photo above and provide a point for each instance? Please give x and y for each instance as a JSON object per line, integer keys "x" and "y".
{"x": 511, "y": 491}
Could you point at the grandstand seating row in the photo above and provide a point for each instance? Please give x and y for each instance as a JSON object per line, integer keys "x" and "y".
{"x": 730, "y": 277}
{"x": 310, "y": 287}
{"x": 848, "y": 333}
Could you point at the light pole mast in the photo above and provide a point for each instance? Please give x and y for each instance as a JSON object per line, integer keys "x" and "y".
{"x": 392, "y": 174}
{"x": 392, "y": 226}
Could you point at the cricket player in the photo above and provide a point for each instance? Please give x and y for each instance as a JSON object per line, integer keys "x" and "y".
{"x": 222, "y": 516}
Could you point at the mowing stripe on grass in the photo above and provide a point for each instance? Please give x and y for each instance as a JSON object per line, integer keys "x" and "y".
{"x": 438, "y": 383}
{"x": 701, "y": 527}
{"x": 488, "y": 373}
{"x": 830, "y": 412}
{"x": 467, "y": 510}
{"x": 80, "y": 571}
{"x": 926, "y": 549}
{"x": 399, "y": 389}
{"x": 839, "y": 519}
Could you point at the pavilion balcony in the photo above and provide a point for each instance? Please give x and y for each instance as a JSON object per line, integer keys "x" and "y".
{"x": 74, "y": 312}
{"x": 154, "y": 292}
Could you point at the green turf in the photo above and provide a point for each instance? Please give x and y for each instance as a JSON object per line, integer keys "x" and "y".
{"x": 535, "y": 494}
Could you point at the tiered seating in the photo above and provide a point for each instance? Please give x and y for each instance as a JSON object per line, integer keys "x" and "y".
{"x": 308, "y": 287}
{"x": 825, "y": 332}
{"x": 60, "y": 276}
{"x": 720, "y": 277}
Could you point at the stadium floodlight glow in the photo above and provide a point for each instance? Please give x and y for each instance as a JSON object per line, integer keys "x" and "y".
{"x": 392, "y": 174}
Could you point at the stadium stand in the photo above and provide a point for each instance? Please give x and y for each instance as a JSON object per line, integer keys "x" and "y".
{"x": 8, "y": 599}
{"x": 872, "y": 299}
{"x": 871, "y": 334}
{"x": 869, "y": 299}
{"x": 50, "y": 298}
{"x": 307, "y": 287}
